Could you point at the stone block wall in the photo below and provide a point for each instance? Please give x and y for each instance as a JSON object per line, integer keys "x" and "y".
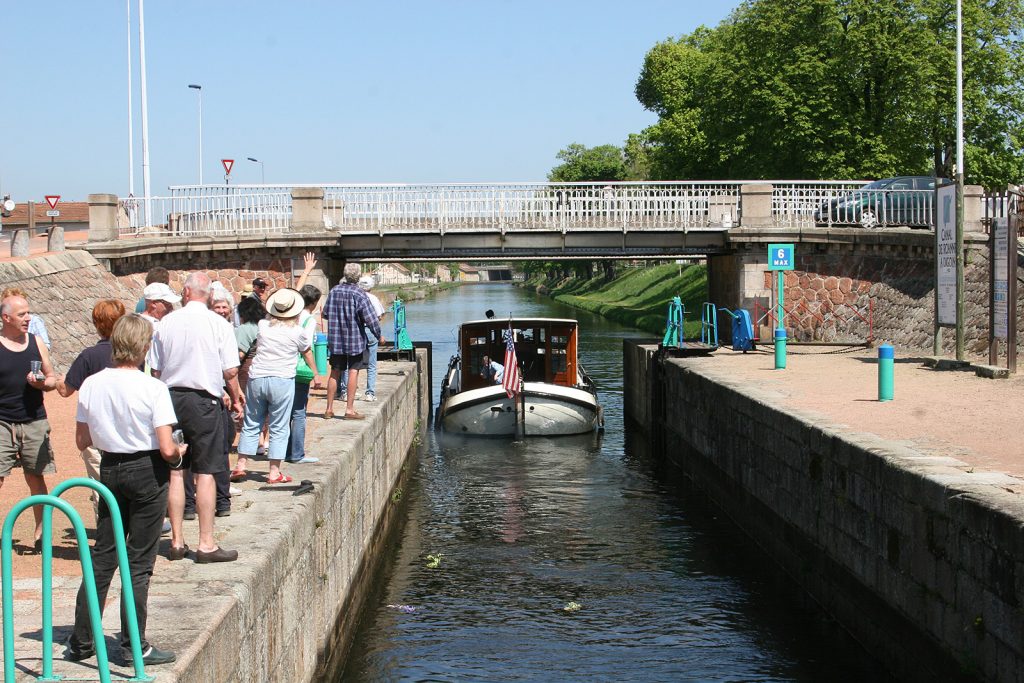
{"x": 921, "y": 560}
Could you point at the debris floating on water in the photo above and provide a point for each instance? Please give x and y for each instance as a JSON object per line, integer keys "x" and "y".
{"x": 572, "y": 606}
{"x": 433, "y": 561}
{"x": 407, "y": 609}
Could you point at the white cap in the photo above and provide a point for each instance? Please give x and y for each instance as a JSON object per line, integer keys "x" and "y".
{"x": 366, "y": 283}
{"x": 158, "y": 291}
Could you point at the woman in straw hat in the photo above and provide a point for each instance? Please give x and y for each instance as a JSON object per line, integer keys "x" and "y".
{"x": 271, "y": 388}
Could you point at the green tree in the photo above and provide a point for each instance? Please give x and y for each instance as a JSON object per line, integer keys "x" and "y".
{"x": 589, "y": 164}
{"x": 837, "y": 89}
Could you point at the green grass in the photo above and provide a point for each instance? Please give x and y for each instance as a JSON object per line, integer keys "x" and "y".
{"x": 640, "y": 297}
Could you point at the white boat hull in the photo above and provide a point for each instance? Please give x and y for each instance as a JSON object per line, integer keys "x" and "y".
{"x": 549, "y": 410}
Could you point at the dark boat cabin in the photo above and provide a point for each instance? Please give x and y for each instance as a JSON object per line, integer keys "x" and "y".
{"x": 545, "y": 348}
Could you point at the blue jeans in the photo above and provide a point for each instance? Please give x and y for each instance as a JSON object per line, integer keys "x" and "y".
{"x": 270, "y": 399}
{"x": 371, "y": 366}
{"x": 297, "y": 442}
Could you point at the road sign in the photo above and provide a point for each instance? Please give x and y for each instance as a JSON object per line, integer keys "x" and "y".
{"x": 52, "y": 200}
{"x": 781, "y": 257}
{"x": 228, "y": 165}
{"x": 52, "y": 213}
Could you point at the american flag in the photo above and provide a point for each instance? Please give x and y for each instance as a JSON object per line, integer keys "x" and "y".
{"x": 510, "y": 381}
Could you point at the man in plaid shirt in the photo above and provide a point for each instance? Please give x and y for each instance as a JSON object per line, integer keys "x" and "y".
{"x": 348, "y": 310}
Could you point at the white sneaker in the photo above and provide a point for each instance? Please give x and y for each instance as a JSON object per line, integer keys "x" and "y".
{"x": 369, "y": 397}
{"x": 235, "y": 491}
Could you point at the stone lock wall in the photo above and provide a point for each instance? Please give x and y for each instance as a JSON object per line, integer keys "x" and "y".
{"x": 916, "y": 557}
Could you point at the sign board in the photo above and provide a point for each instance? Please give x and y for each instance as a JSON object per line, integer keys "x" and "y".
{"x": 781, "y": 257}
{"x": 52, "y": 213}
{"x": 52, "y": 200}
{"x": 945, "y": 254}
{"x": 1000, "y": 281}
{"x": 228, "y": 164}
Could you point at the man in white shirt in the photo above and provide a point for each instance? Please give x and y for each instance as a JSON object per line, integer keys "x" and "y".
{"x": 194, "y": 353}
{"x": 159, "y": 301}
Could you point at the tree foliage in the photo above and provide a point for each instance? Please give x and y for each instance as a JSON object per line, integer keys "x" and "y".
{"x": 836, "y": 89}
{"x": 589, "y": 164}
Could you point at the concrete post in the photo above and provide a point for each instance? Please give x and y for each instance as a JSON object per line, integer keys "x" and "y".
{"x": 55, "y": 240}
{"x": 974, "y": 208}
{"x": 20, "y": 242}
{"x": 756, "y": 205}
{"x": 102, "y": 217}
{"x": 307, "y": 209}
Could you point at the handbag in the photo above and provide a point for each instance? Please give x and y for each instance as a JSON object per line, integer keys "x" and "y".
{"x": 303, "y": 373}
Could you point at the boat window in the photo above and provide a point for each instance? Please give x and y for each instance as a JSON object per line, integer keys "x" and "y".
{"x": 559, "y": 346}
{"x": 526, "y": 336}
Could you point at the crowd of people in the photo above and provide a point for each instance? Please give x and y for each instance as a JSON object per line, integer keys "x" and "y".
{"x": 161, "y": 397}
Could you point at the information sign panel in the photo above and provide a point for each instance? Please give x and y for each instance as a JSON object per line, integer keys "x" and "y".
{"x": 945, "y": 254}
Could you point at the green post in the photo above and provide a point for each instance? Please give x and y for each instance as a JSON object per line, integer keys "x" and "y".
{"x": 88, "y": 579}
{"x": 781, "y": 257}
{"x": 780, "y": 331}
{"x": 886, "y": 362}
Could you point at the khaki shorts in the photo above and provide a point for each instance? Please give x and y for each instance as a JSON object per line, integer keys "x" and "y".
{"x": 26, "y": 444}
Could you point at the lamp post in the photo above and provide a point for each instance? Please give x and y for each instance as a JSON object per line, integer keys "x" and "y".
{"x": 199, "y": 91}
{"x": 960, "y": 312}
{"x": 263, "y": 179}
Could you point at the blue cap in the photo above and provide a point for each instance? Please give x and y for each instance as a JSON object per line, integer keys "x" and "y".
{"x": 780, "y": 332}
{"x": 886, "y": 352}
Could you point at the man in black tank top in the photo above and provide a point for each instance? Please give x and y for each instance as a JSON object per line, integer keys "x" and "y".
{"x": 24, "y": 431}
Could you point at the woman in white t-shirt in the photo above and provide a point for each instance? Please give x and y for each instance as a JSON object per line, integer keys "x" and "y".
{"x": 271, "y": 388}
{"x": 128, "y": 416}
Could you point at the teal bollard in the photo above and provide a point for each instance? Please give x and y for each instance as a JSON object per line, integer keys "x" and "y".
{"x": 320, "y": 353}
{"x": 886, "y": 363}
{"x": 780, "y": 348}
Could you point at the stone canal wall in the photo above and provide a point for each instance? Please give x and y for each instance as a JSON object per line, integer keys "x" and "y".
{"x": 921, "y": 561}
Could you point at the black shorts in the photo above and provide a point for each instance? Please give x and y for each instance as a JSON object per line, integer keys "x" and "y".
{"x": 341, "y": 361}
{"x": 200, "y": 418}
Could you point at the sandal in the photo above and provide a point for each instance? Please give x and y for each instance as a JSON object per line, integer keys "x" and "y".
{"x": 238, "y": 475}
{"x": 354, "y": 416}
{"x": 282, "y": 479}
{"x": 328, "y": 414}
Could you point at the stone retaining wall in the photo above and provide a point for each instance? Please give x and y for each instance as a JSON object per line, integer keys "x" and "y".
{"x": 922, "y": 561}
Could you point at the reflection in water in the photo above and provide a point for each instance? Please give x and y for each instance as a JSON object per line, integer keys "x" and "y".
{"x": 574, "y": 558}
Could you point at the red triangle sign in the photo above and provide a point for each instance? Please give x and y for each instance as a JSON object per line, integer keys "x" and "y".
{"x": 228, "y": 164}
{"x": 52, "y": 200}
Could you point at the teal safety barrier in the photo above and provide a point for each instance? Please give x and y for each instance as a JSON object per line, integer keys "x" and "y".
{"x": 88, "y": 578}
{"x": 709, "y": 325}
{"x": 674, "y": 324}
{"x": 402, "y": 341}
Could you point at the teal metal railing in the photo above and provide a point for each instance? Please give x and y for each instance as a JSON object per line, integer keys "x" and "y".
{"x": 88, "y": 578}
{"x": 402, "y": 341}
{"x": 674, "y": 324}
{"x": 709, "y": 325}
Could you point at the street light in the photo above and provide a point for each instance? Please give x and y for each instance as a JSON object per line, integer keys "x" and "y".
{"x": 263, "y": 179}
{"x": 199, "y": 91}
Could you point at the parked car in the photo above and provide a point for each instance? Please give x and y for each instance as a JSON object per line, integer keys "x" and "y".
{"x": 903, "y": 200}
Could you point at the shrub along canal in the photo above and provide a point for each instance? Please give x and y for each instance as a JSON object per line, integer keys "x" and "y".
{"x": 575, "y": 557}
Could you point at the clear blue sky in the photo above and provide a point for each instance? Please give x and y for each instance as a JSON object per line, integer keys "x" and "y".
{"x": 325, "y": 91}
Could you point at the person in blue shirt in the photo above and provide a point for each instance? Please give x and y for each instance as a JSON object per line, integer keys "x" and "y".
{"x": 492, "y": 370}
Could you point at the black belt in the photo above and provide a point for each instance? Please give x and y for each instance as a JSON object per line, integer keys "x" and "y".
{"x": 190, "y": 390}
{"x": 111, "y": 458}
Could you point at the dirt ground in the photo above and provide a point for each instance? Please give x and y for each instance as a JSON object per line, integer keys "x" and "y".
{"x": 955, "y": 413}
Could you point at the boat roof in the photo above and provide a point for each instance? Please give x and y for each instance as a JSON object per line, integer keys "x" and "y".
{"x": 520, "y": 322}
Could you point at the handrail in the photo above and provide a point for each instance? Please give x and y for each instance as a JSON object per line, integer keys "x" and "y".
{"x": 88, "y": 579}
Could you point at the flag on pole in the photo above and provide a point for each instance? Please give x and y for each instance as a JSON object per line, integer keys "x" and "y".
{"x": 510, "y": 381}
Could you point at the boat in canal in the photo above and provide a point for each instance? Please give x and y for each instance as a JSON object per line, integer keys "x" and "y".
{"x": 540, "y": 389}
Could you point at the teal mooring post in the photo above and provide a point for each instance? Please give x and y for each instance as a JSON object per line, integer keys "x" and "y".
{"x": 780, "y": 348}
{"x": 886, "y": 362}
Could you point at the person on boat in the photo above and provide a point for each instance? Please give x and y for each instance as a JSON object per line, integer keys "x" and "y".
{"x": 492, "y": 370}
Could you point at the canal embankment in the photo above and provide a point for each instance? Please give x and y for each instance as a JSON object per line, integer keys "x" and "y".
{"x": 899, "y": 519}
{"x": 285, "y": 610}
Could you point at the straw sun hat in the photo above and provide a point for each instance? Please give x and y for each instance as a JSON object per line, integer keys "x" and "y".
{"x": 285, "y": 303}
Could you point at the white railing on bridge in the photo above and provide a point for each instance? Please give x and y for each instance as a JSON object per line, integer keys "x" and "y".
{"x": 501, "y": 207}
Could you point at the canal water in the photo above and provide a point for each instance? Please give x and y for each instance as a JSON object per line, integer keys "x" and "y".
{"x": 575, "y": 558}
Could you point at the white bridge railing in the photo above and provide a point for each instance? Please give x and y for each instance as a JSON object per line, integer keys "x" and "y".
{"x": 632, "y": 206}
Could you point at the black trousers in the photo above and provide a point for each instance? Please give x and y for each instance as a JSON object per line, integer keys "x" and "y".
{"x": 221, "y": 479}
{"x": 139, "y": 484}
